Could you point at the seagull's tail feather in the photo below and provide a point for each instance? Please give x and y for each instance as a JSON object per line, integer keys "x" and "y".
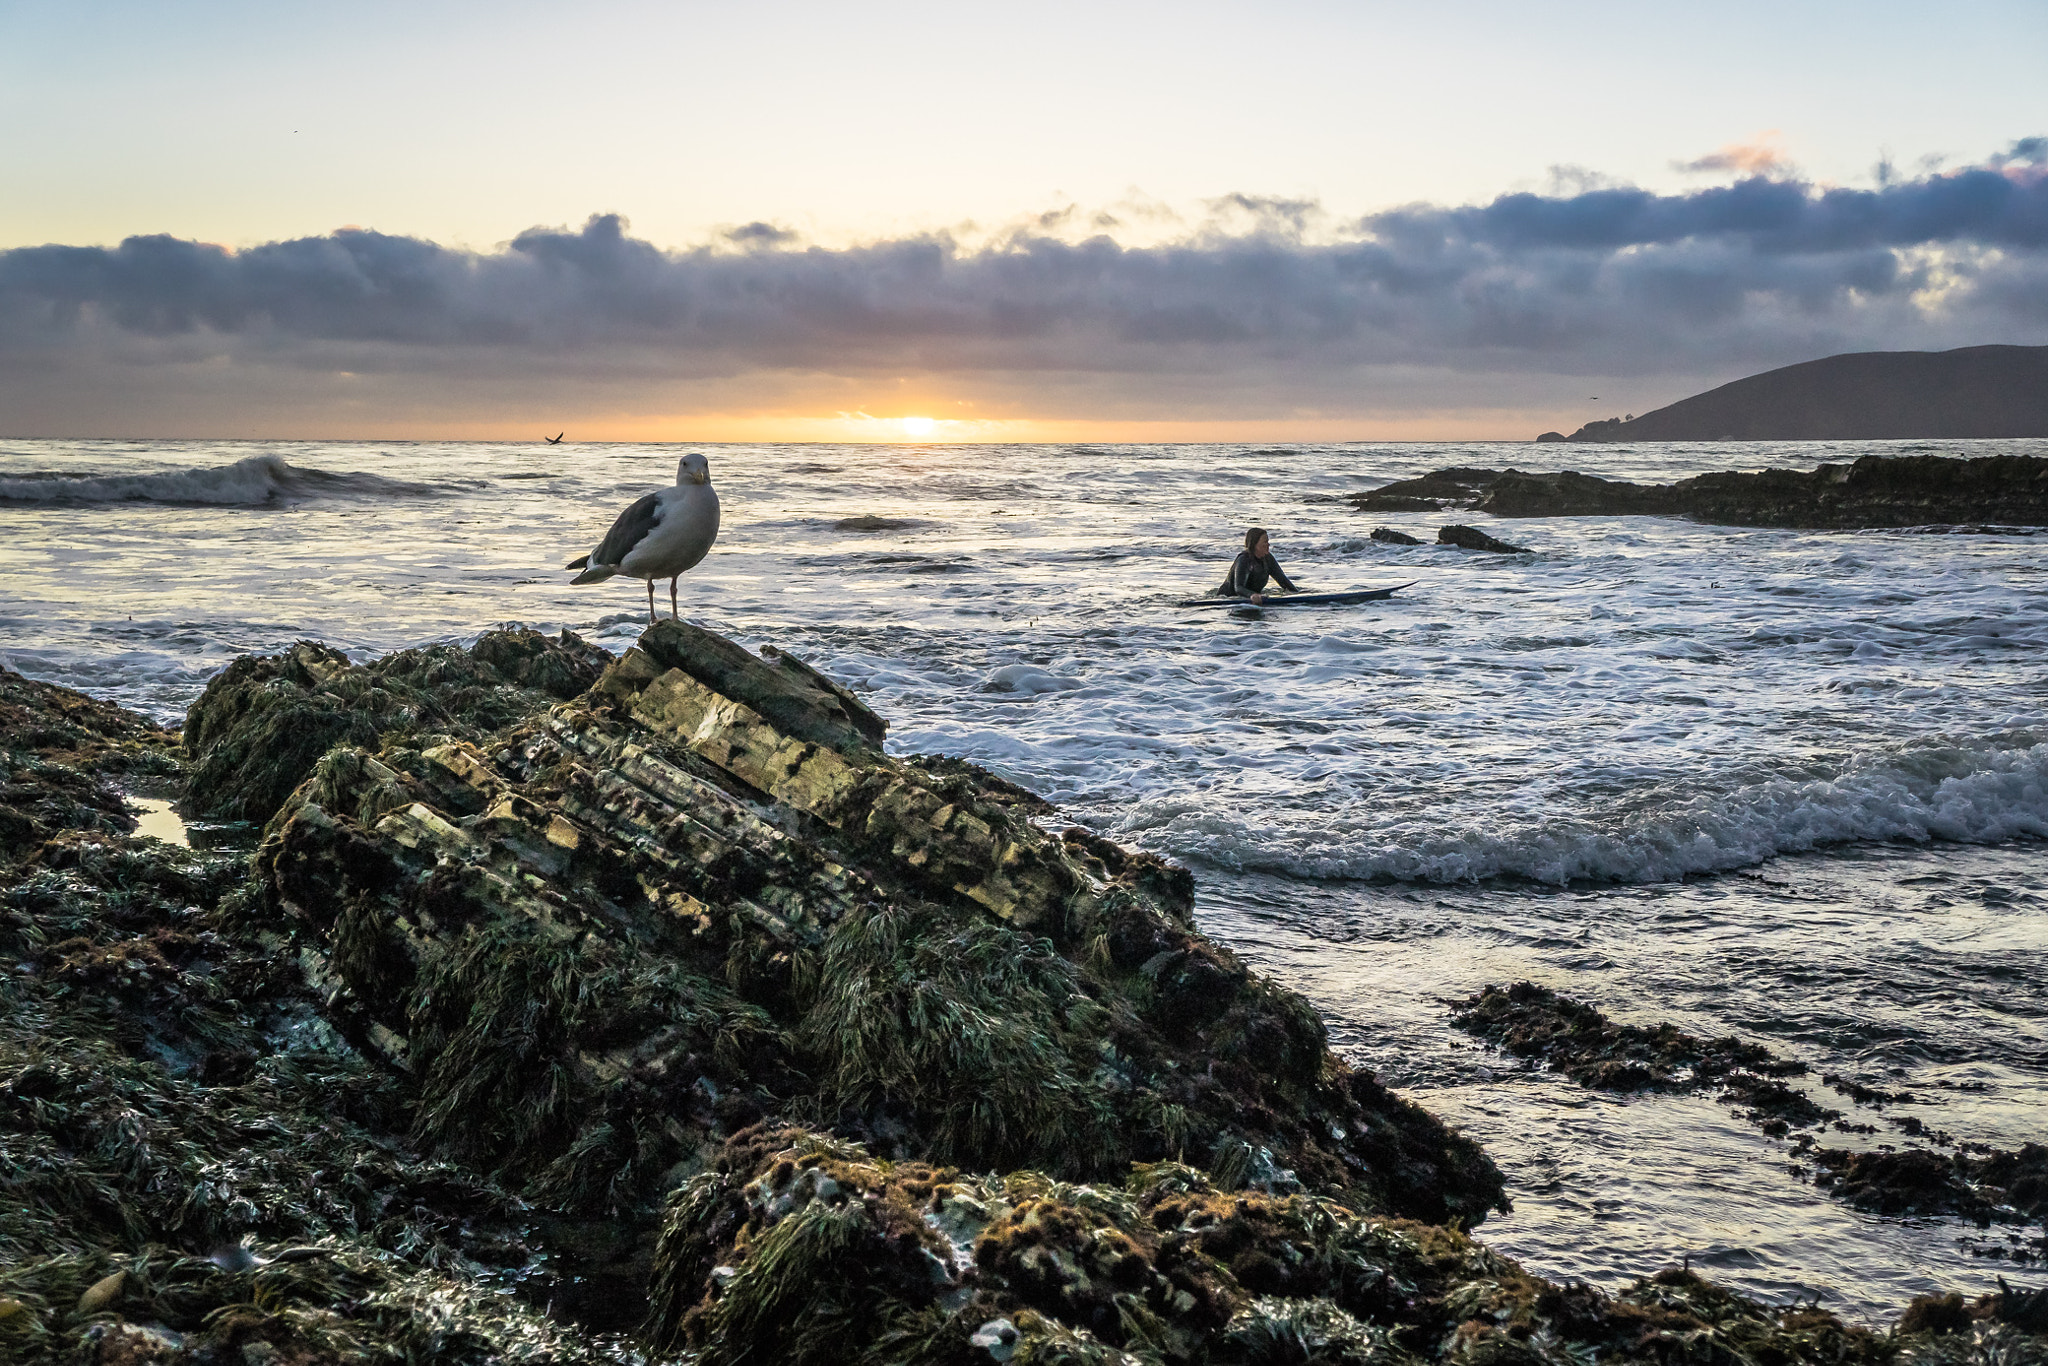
{"x": 580, "y": 562}
{"x": 595, "y": 574}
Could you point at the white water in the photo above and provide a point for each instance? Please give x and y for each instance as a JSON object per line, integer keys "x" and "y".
{"x": 1787, "y": 784}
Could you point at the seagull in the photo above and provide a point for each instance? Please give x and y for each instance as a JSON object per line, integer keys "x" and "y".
{"x": 660, "y": 536}
{"x": 556, "y": 440}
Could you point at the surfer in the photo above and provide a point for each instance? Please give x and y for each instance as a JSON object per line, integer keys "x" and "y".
{"x": 1252, "y": 567}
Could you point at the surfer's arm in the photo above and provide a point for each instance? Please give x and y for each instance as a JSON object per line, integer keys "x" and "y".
{"x": 1279, "y": 576}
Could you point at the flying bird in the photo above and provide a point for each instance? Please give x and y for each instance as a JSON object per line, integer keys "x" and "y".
{"x": 660, "y": 536}
{"x": 556, "y": 440}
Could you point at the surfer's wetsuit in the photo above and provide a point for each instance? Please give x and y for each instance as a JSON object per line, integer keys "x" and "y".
{"x": 1248, "y": 575}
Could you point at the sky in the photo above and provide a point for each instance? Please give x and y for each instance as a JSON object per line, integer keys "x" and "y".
{"x": 1110, "y": 221}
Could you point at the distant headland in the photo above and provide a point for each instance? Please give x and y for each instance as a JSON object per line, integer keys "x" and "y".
{"x": 1977, "y": 391}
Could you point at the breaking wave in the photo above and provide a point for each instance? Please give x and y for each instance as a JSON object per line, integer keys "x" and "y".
{"x": 1971, "y": 796}
{"x": 256, "y": 481}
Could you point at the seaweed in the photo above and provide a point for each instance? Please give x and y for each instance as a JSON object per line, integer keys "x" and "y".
{"x": 985, "y": 1038}
{"x": 1977, "y": 1182}
{"x": 264, "y": 721}
{"x": 671, "y": 1002}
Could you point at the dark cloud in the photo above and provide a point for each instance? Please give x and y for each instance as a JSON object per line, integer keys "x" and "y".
{"x": 759, "y": 234}
{"x": 1596, "y": 280}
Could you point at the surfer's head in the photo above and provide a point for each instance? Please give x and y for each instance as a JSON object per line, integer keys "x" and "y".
{"x": 1255, "y": 540}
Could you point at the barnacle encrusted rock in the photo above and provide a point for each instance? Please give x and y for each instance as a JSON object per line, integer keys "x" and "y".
{"x": 701, "y": 894}
{"x": 802, "y": 1249}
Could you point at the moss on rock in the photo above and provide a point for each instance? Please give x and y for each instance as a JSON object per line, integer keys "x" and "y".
{"x": 265, "y": 720}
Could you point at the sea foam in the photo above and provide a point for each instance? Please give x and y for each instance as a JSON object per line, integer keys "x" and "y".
{"x": 1972, "y": 795}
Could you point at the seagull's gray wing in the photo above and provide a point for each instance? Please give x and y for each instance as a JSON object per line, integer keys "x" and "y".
{"x": 631, "y": 528}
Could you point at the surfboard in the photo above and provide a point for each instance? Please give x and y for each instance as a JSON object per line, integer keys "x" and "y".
{"x": 1339, "y": 599}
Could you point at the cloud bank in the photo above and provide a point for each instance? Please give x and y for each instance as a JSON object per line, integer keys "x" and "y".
{"x": 1269, "y": 309}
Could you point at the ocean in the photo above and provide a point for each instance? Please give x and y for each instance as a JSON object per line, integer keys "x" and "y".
{"x": 1786, "y": 785}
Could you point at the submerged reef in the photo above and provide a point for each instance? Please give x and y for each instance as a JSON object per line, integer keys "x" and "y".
{"x": 1992, "y": 493}
{"x": 1943, "y": 1176}
{"x": 566, "y": 1008}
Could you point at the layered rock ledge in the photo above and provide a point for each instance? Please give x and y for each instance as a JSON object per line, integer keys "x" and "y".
{"x": 579, "y": 1010}
{"x": 1875, "y": 491}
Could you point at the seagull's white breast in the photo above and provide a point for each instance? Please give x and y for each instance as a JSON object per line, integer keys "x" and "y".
{"x": 681, "y": 536}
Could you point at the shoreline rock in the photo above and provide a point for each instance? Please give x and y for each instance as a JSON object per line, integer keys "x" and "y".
{"x": 851, "y": 937}
{"x": 678, "y": 1005}
{"x": 1472, "y": 538}
{"x": 1973, "y": 1181}
{"x": 1875, "y": 491}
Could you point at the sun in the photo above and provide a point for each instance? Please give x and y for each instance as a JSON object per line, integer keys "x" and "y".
{"x": 917, "y": 426}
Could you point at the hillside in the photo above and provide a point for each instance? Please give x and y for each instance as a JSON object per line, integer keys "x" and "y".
{"x": 1977, "y": 391}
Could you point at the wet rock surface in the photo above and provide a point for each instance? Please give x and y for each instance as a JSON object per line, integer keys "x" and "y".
{"x": 1571, "y": 1037}
{"x": 63, "y": 757}
{"x": 1875, "y": 491}
{"x": 1472, "y": 538}
{"x": 193, "y": 1165}
{"x": 675, "y": 1007}
{"x": 1458, "y": 486}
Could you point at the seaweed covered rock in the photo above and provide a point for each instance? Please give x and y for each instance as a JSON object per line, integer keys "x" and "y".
{"x": 1975, "y": 1180}
{"x": 1532, "y": 1021}
{"x": 1872, "y": 491}
{"x": 799, "y": 1248}
{"x": 63, "y": 757}
{"x": 263, "y": 721}
{"x": 193, "y": 1165}
{"x": 701, "y": 894}
{"x": 679, "y": 1002}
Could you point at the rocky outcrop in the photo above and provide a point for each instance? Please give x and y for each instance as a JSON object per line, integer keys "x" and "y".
{"x": 1459, "y": 486}
{"x": 799, "y": 1249}
{"x": 1974, "y": 392}
{"x": 1388, "y": 536}
{"x": 704, "y": 895}
{"x": 680, "y": 1004}
{"x": 1472, "y": 538}
{"x": 1975, "y": 1181}
{"x": 263, "y": 721}
{"x": 193, "y": 1167}
{"x": 1875, "y": 491}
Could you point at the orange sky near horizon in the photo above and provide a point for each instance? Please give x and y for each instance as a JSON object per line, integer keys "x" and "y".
{"x": 870, "y": 429}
